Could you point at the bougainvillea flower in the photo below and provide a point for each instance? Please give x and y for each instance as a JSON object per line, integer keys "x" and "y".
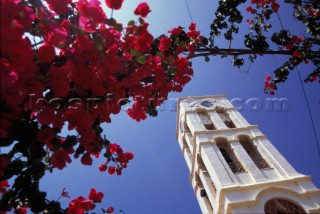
{"x": 268, "y": 77}
{"x": 3, "y": 186}
{"x": 112, "y": 147}
{"x": 22, "y": 210}
{"x": 114, "y": 4}
{"x": 59, "y": 6}
{"x": 142, "y": 9}
{"x": 111, "y": 170}
{"x": 164, "y": 44}
{"x": 86, "y": 159}
{"x": 175, "y": 31}
{"x": 103, "y": 167}
{"x": 46, "y": 53}
{"x": 80, "y": 205}
{"x": 3, "y": 164}
{"x": 95, "y": 196}
{"x": 64, "y": 193}
{"x": 110, "y": 210}
{"x": 60, "y": 158}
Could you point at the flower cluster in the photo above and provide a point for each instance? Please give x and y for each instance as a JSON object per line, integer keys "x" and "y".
{"x": 72, "y": 52}
{"x": 269, "y": 86}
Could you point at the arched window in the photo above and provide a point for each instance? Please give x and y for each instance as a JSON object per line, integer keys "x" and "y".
{"x": 253, "y": 152}
{"x": 282, "y": 206}
{"x": 206, "y": 120}
{"x": 225, "y": 118}
{"x": 228, "y": 155}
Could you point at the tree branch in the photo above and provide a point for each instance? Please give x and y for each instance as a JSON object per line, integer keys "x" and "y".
{"x": 232, "y": 52}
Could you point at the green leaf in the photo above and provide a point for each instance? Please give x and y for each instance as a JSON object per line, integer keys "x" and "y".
{"x": 118, "y": 27}
{"x": 134, "y": 52}
{"x": 141, "y": 59}
{"x": 131, "y": 23}
{"x": 159, "y": 53}
{"x": 47, "y": 159}
{"x": 141, "y": 20}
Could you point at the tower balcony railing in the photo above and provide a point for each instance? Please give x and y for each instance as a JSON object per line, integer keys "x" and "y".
{"x": 261, "y": 163}
{"x": 236, "y": 167}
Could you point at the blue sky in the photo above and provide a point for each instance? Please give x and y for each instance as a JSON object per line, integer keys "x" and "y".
{"x": 157, "y": 180}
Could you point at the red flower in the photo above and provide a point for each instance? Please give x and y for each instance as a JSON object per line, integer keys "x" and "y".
{"x": 112, "y": 147}
{"x": 114, "y": 4}
{"x": 192, "y": 26}
{"x": 111, "y": 170}
{"x": 60, "y": 158}
{"x": 268, "y": 78}
{"x": 250, "y": 21}
{"x": 103, "y": 167}
{"x": 3, "y": 164}
{"x": 54, "y": 33}
{"x": 175, "y": 31}
{"x": 46, "y": 134}
{"x": 142, "y": 9}
{"x": 191, "y": 48}
{"x": 275, "y": 6}
{"x": 250, "y": 10}
{"x": 110, "y": 210}
{"x": 129, "y": 155}
{"x": 297, "y": 54}
{"x": 59, "y": 6}
{"x": 164, "y": 44}
{"x": 95, "y": 196}
{"x": 3, "y": 186}
{"x": 193, "y": 34}
{"x": 79, "y": 205}
{"x": 86, "y": 159}
{"x": 65, "y": 193}
{"x": 46, "y": 53}
{"x": 22, "y": 210}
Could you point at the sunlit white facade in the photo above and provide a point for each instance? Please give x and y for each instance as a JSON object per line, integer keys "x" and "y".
{"x": 233, "y": 167}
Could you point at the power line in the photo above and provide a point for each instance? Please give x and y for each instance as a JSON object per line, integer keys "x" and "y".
{"x": 311, "y": 118}
{"x": 188, "y": 10}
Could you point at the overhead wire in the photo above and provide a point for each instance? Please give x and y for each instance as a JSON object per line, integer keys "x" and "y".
{"x": 188, "y": 10}
{"x": 310, "y": 114}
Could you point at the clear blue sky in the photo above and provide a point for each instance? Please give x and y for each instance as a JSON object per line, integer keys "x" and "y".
{"x": 157, "y": 180}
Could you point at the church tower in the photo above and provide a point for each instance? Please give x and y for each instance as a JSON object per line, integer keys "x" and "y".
{"x": 233, "y": 167}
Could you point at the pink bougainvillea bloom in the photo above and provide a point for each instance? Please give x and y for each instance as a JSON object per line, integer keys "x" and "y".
{"x": 103, "y": 167}
{"x": 64, "y": 193}
{"x": 86, "y": 159}
{"x": 164, "y": 44}
{"x": 3, "y": 186}
{"x": 142, "y": 9}
{"x": 60, "y": 158}
{"x": 95, "y": 196}
{"x": 114, "y": 4}
{"x": 46, "y": 53}
{"x": 192, "y": 26}
{"x": 175, "y": 31}
{"x": 268, "y": 78}
{"x": 110, "y": 210}
{"x": 112, "y": 147}
{"x": 111, "y": 170}
{"x": 129, "y": 155}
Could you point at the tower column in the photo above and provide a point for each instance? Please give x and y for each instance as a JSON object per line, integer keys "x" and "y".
{"x": 217, "y": 121}
{"x": 246, "y": 161}
{"x": 216, "y": 165}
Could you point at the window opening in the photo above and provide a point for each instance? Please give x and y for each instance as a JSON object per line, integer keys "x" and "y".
{"x": 253, "y": 152}
{"x": 206, "y": 121}
{"x": 282, "y": 206}
{"x": 230, "y": 158}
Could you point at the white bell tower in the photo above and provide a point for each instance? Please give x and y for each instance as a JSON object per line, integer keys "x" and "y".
{"x": 233, "y": 167}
